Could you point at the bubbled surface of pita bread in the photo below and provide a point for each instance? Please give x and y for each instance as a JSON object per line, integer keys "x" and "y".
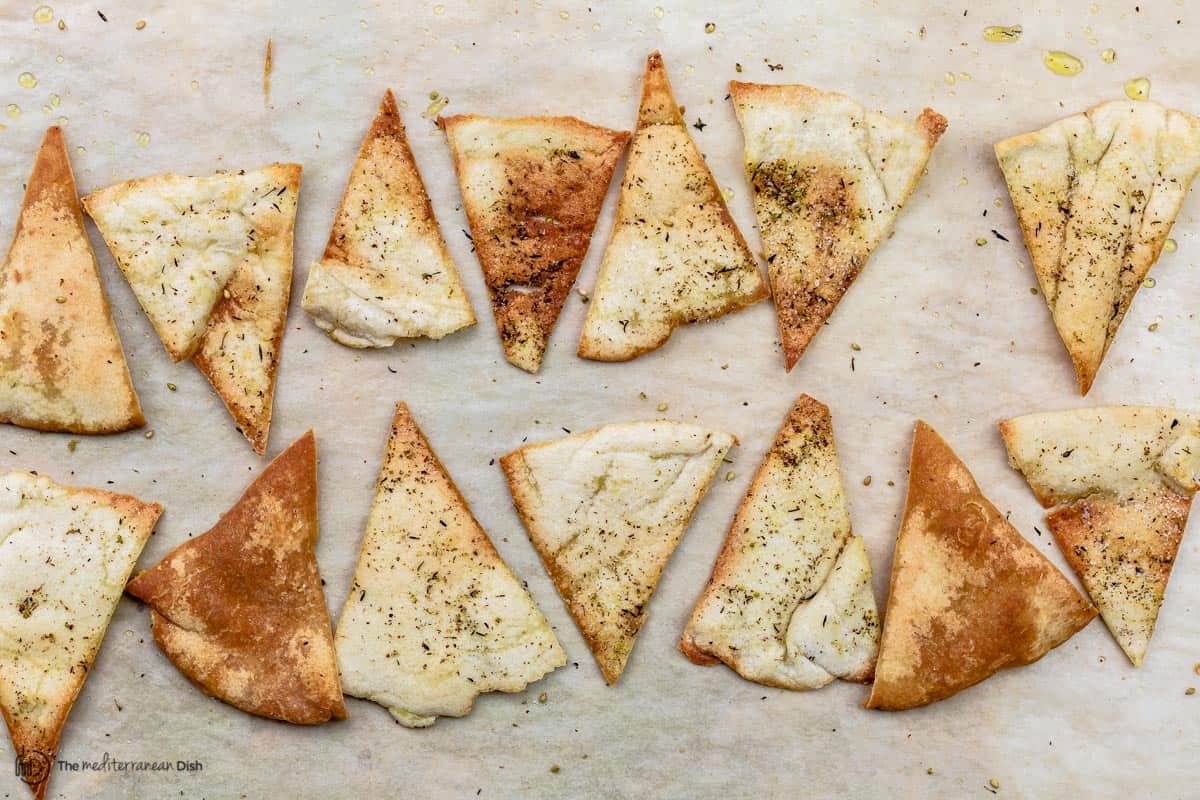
{"x": 605, "y": 510}
{"x": 65, "y": 555}
{"x": 532, "y": 188}
{"x": 434, "y": 616}
{"x": 1096, "y": 195}
{"x": 239, "y": 609}
{"x": 790, "y": 603}
{"x": 829, "y": 179}
{"x": 675, "y": 255}
{"x": 61, "y": 363}
{"x": 386, "y": 273}
{"x": 969, "y": 596}
{"x": 1120, "y": 481}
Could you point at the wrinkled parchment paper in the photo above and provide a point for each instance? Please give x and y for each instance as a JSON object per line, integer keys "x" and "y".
{"x": 949, "y": 331}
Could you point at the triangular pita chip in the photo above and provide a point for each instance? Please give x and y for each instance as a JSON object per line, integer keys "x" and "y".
{"x": 240, "y": 610}
{"x": 676, "y": 255}
{"x": 434, "y": 616}
{"x": 386, "y": 273}
{"x": 532, "y": 188}
{"x": 61, "y": 363}
{"x": 1121, "y": 482}
{"x": 969, "y": 595}
{"x": 1096, "y": 195}
{"x": 64, "y": 560}
{"x": 790, "y": 602}
{"x": 829, "y": 178}
{"x": 210, "y": 260}
{"x": 605, "y": 510}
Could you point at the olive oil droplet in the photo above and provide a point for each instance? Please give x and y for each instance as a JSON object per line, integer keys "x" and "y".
{"x": 43, "y": 14}
{"x": 55, "y": 100}
{"x": 27, "y": 80}
{"x": 1061, "y": 63}
{"x": 1170, "y": 246}
{"x": 143, "y": 138}
{"x": 658, "y": 12}
{"x": 439, "y": 10}
{"x": 564, "y": 14}
{"x": 13, "y": 110}
{"x": 1138, "y": 89}
{"x": 1108, "y": 56}
{"x": 435, "y": 107}
{"x": 1149, "y": 283}
{"x": 1002, "y": 33}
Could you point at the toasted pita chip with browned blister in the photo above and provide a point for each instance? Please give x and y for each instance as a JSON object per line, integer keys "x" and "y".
{"x": 1096, "y": 195}
{"x": 210, "y": 261}
{"x": 675, "y": 256}
{"x": 240, "y": 610}
{"x": 533, "y": 189}
{"x": 1120, "y": 482}
{"x": 386, "y": 273}
{"x": 829, "y": 179}
{"x": 969, "y": 595}
{"x": 64, "y": 559}
{"x": 61, "y": 363}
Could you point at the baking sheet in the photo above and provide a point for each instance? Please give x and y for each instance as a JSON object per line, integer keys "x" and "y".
{"x": 949, "y": 331}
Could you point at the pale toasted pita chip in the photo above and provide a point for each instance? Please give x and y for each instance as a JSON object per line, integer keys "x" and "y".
{"x": 1096, "y": 195}
{"x": 532, "y": 188}
{"x": 789, "y": 603}
{"x": 605, "y": 510}
{"x": 1123, "y": 481}
{"x": 61, "y": 363}
{"x": 969, "y": 596}
{"x": 434, "y": 616}
{"x": 675, "y": 256}
{"x": 240, "y": 611}
{"x": 210, "y": 260}
{"x": 829, "y": 179}
{"x": 64, "y": 560}
{"x": 386, "y": 273}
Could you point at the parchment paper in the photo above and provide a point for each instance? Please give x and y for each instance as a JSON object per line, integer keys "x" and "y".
{"x": 949, "y": 331}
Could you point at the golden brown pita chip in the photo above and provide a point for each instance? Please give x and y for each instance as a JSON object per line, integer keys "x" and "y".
{"x": 61, "y": 363}
{"x": 1123, "y": 480}
{"x": 675, "y": 256}
{"x": 64, "y": 559}
{"x": 1096, "y": 195}
{"x": 532, "y": 188}
{"x": 240, "y": 610}
{"x": 969, "y": 596}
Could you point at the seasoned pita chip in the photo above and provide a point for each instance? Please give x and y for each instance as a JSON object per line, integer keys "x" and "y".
{"x": 1096, "y": 195}
{"x": 676, "y": 255}
{"x": 969, "y": 596}
{"x": 789, "y": 603}
{"x": 532, "y": 188}
{"x": 240, "y": 611}
{"x": 829, "y": 179}
{"x": 605, "y": 510}
{"x": 1120, "y": 481}
{"x": 64, "y": 559}
{"x": 210, "y": 260}
{"x": 61, "y": 363}
{"x": 434, "y": 616}
{"x": 386, "y": 273}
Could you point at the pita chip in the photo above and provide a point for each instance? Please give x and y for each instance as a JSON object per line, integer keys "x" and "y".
{"x": 533, "y": 189}
{"x": 386, "y": 273}
{"x": 210, "y": 261}
{"x": 675, "y": 256}
{"x": 605, "y": 510}
{"x": 434, "y": 616}
{"x": 829, "y": 179}
{"x": 64, "y": 560}
{"x": 1096, "y": 195}
{"x": 789, "y": 603}
{"x": 240, "y": 611}
{"x": 61, "y": 363}
{"x": 969, "y": 596}
{"x": 1120, "y": 482}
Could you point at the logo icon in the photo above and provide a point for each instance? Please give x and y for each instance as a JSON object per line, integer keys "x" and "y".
{"x": 33, "y": 767}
